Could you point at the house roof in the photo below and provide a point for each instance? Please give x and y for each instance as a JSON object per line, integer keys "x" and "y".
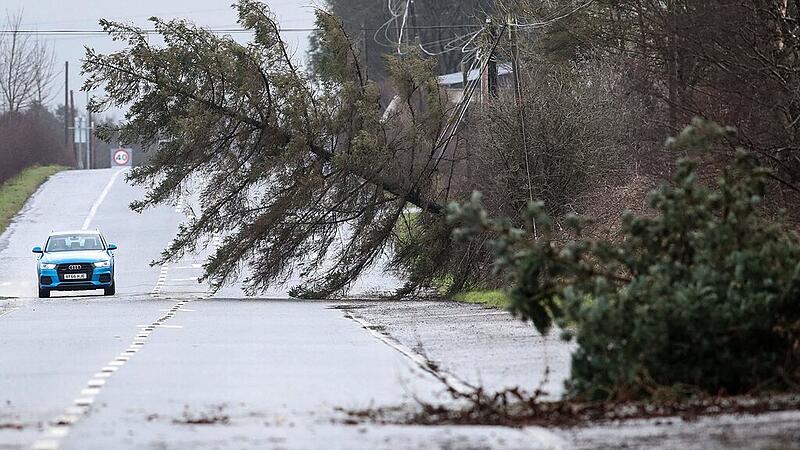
{"x": 458, "y": 78}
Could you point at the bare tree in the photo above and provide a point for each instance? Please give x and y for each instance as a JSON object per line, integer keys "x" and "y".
{"x": 43, "y": 72}
{"x": 26, "y": 67}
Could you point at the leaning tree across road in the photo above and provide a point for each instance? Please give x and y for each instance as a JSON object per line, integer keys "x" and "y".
{"x": 288, "y": 160}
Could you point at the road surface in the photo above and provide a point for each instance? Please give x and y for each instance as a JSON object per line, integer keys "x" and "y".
{"x": 165, "y": 365}
{"x": 146, "y": 368}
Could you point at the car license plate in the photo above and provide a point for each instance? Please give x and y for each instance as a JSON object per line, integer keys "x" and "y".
{"x": 74, "y": 276}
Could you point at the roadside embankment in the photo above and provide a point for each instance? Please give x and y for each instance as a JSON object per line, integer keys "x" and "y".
{"x": 16, "y": 191}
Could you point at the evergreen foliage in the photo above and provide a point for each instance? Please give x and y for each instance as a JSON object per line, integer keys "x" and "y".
{"x": 295, "y": 171}
{"x": 702, "y": 295}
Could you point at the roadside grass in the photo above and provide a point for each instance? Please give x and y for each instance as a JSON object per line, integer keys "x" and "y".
{"x": 492, "y": 299}
{"x": 16, "y": 191}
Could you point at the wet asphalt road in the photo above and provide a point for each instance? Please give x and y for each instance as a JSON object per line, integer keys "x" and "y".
{"x": 163, "y": 365}
{"x": 147, "y": 368}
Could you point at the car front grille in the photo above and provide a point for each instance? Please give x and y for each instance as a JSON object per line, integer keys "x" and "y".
{"x": 63, "y": 269}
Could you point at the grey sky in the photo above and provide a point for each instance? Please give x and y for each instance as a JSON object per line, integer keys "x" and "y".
{"x": 84, "y": 14}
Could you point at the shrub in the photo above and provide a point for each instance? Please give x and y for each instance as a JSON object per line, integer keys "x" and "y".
{"x": 703, "y": 295}
{"x": 31, "y": 137}
{"x": 577, "y": 130}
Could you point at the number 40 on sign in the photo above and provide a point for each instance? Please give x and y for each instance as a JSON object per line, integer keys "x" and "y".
{"x": 121, "y": 157}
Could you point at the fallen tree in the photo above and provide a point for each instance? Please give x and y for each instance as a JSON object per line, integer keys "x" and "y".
{"x": 287, "y": 160}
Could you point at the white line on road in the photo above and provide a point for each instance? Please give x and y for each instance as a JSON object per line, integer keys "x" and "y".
{"x": 420, "y": 361}
{"x": 543, "y": 436}
{"x": 181, "y": 206}
{"x": 58, "y": 431}
{"x": 100, "y": 199}
{"x": 162, "y": 278}
{"x": 46, "y": 444}
{"x": 8, "y": 311}
{"x": 51, "y": 438}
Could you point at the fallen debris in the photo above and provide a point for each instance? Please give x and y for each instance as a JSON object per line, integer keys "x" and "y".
{"x": 515, "y": 408}
{"x": 214, "y": 417}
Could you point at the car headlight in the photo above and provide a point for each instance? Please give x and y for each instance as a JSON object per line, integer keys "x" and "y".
{"x": 103, "y": 264}
{"x": 47, "y": 266}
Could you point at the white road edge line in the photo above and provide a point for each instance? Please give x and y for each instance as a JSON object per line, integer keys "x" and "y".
{"x": 419, "y": 360}
{"x": 9, "y": 311}
{"x": 93, "y": 211}
{"x": 549, "y": 439}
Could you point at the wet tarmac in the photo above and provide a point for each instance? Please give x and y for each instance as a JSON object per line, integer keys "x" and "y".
{"x": 166, "y": 365}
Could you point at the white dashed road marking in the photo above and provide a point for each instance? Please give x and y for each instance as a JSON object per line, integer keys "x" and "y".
{"x": 61, "y": 425}
{"x": 162, "y": 278}
{"x": 181, "y": 205}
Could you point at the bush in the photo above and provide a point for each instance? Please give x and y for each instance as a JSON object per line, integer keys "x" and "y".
{"x": 577, "y": 131}
{"x": 31, "y": 137}
{"x": 703, "y": 295}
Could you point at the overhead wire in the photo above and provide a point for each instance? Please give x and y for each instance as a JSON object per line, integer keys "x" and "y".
{"x": 89, "y": 32}
{"x": 552, "y": 19}
{"x": 402, "y": 28}
{"x": 387, "y": 26}
{"x": 451, "y": 45}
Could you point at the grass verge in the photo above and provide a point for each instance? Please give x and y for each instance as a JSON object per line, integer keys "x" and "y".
{"x": 492, "y": 299}
{"x": 16, "y": 191}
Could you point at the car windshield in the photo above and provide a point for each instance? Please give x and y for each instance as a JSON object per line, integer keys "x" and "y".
{"x": 74, "y": 242}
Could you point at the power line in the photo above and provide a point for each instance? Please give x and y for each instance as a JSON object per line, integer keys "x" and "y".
{"x": 555, "y": 18}
{"x": 89, "y": 32}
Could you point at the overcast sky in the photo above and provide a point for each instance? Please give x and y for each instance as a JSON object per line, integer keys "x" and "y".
{"x": 83, "y": 14}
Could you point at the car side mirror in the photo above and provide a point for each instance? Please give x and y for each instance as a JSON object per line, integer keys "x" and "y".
{"x": 112, "y": 246}
{"x": 37, "y": 249}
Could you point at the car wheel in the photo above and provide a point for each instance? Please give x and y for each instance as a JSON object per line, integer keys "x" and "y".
{"x": 44, "y": 293}
{"x": 111, "y": 290}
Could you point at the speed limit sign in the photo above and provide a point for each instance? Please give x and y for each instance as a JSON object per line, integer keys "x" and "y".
{"x": 121, "y": 157}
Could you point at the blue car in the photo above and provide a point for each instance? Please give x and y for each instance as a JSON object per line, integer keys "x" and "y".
{"x": 75, "y": 261}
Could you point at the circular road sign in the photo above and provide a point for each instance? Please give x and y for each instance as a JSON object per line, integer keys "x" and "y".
{"x": 122, "y": 157}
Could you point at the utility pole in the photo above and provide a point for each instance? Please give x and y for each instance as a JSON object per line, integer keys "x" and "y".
{"x": 89, "y": 149}
{"x": 66, "y": 103}
{"x": 464, "y": 78}
{"x": 366, "y": 50}
{"x": 512, "y": 33}
{"x": 412, "y": 17}
{"x": 492, "y": 66}
{"x": 75, "y": 147}
{"x": 489, "y": 76}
